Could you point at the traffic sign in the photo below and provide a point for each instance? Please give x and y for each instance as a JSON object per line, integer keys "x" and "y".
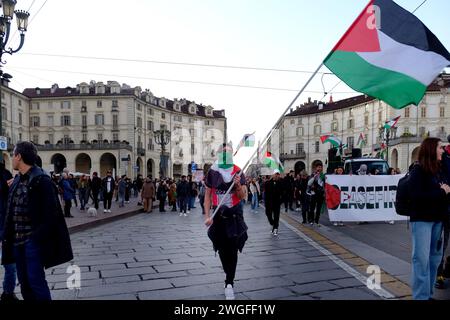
{"x": 3, "y": 143}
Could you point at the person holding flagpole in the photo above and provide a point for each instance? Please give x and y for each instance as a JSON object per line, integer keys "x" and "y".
{"x": 227, "y": 229}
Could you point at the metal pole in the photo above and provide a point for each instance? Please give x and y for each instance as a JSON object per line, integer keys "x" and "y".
{"x": 269, "y": 134}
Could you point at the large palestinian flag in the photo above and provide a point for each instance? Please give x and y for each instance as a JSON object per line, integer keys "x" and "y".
{"x": 388, "y": 54}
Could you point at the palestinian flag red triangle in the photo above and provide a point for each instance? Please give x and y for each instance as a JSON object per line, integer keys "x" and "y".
{"x": 362, "y": 36}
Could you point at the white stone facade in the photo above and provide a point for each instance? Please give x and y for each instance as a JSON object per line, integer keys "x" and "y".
{"x": 298, "y": 140}
{"x": 95, "y": 127}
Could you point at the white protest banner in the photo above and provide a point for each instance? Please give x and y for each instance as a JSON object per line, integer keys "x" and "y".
{"x": 362, "y": 198}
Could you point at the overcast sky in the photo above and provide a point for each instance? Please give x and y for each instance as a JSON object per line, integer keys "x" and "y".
{"x": 291, "y": 35}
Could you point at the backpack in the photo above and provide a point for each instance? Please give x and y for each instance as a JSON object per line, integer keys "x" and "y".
{"x": 403, "y": 198}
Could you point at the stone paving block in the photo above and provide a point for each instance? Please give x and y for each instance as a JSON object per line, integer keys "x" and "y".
{"x": 148, "y": 263}
{"x": 161, "y": 256}
{"x": 84, "y": 283}
{"x": 261, "y": 283}
{"x": 269, "y": 294}
{"x": 347, "y": 282}
{"x": 64, "y": 277}
{"x": 97, "y": 262}
{"x": 257, "y": 273}
{"x": 307, "y": 267}
{"x": 195, "y": 280}
{"x": 192, "y": 292}
{"x": 313, "y": 287}
{"x": 115, "y": 297}
{"x": 125, "y": 272}
{"x": 122, "y": 279}
{"x": 346, "y": 294}
{"x": 307, "y": 277}
{"x": 116, "y": 266}
{"x": 123, "y": 288}
{"x": 179, "y": 267}
{"x": 164, "y": 275}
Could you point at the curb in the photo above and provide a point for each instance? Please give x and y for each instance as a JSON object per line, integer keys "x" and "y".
{"x": 99, "y": 222}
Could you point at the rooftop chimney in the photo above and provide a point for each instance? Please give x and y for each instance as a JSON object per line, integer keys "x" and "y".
{"x": 331, "y": 99}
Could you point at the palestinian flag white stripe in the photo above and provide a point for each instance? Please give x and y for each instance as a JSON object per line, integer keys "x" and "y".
{"x": 420, "y": 65}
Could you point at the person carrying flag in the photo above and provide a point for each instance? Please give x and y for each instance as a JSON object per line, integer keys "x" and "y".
{"x": 227, "y": 229}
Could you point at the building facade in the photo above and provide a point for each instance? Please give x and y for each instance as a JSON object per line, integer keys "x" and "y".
{"x": 298, "y": 139}
{"x": 99, "y": 126}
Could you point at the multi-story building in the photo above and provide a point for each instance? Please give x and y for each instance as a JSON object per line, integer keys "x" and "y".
{"x": 98, "y": 126}
{"x": 298, "y": 139}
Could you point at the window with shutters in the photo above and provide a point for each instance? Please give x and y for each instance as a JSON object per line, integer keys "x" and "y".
{"x": 300, "y": 148}
{"x": 350, "y": 142}
{"x": 139, "y": 122}
{"x": 299, "y": 131}
{"x": 317, "y": 146}
{"x": 50, "y": 121}
{"x": 65, "y": 120}
{"x": 65, "y": 105}
{"x": 150, "y": 125}
{"x": 407, "y": 110}
{"x": 442, "y": 112}
{"x": 35, "y": 121}
{"x": 351, "y": 124}
{"x": 99, "y": 103}
{"x": 423, "y": 112}
{"x": 99, "y": 120}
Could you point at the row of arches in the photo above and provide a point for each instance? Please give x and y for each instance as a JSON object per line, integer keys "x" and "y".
{"x": 83, "y": 163}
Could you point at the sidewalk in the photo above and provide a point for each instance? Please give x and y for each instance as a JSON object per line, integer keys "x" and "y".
{"x": 82, "y": 220}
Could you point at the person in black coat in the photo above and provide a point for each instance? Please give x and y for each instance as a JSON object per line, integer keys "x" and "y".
{"x": 108, "y": 186}
{"x": 183, "y": 195}
{"x": 429, "y": 190}
{"x": 96, "y": 185}
{"x": 9, "y": 280}
{"x": 288, "y": 191}
{"x": 273, "y": 199}
{"x": 36, "y": 235}
{"x": 444, "y": 270}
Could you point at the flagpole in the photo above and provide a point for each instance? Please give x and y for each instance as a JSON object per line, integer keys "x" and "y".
{"x": 269, "y": 134}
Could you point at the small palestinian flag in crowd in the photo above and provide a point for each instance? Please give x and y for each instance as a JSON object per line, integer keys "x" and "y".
{"x": 272, "y": 162}
{"x": 247, "y": 141}
{"x": 391, "y": 123}
{"x": 389, "y": 54}
{"x": 362, "y": 142}
{"x": 335, "y": 141}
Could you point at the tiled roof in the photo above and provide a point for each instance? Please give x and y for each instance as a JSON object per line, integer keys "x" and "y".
{"x": 312, "y": 108}
{"x": 73, "y": 92}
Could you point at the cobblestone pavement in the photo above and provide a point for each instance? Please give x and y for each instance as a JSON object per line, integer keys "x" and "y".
{"x": 165, "y": 256}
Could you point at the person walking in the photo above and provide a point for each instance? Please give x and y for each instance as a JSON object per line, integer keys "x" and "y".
{"x": 161, "y": 195}
{"x": 183, "y": 195}
{"x": 96, "y": 186}
{"x": 254, "y": 190}
{"x": 273, "y": 200}
{"x": 288, "y": 191}
{"x": 172, "y": 195}
{"x": 68, "y": 194}
{"x": 201, "y": 195}
{"x": 82, "y": 189}
{"x": 35, "y": 233}
{"x": 121, "y": 189}
{"x": 10, "y": 275}
{"x": 227, "y": 229}
{"x": 316, "y": 187}
{"x": 147, "y": 194}
{"x": 108, "y": 185}
{"x": 339, "y": 171}
{"x": 429, "y": 191}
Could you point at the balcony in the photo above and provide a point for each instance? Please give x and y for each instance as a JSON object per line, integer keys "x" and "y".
{"x": 294, "y": 156}
{"x": 141, "y": 151}
{"x": 85, "y": 146}
{"x": 405, "y": 139}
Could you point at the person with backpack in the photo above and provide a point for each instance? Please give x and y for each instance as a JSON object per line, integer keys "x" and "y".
{"x": 428, "y": 189}
{"x": 35, "y": 234}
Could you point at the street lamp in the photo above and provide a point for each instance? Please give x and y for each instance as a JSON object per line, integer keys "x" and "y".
{"x": 162, "y": 137}
{"x": 5, "y": 31}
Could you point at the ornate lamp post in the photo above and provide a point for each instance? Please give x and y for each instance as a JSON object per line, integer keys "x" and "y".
{"x": 162, "y": 137}
{"x": 5, "y": 31}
